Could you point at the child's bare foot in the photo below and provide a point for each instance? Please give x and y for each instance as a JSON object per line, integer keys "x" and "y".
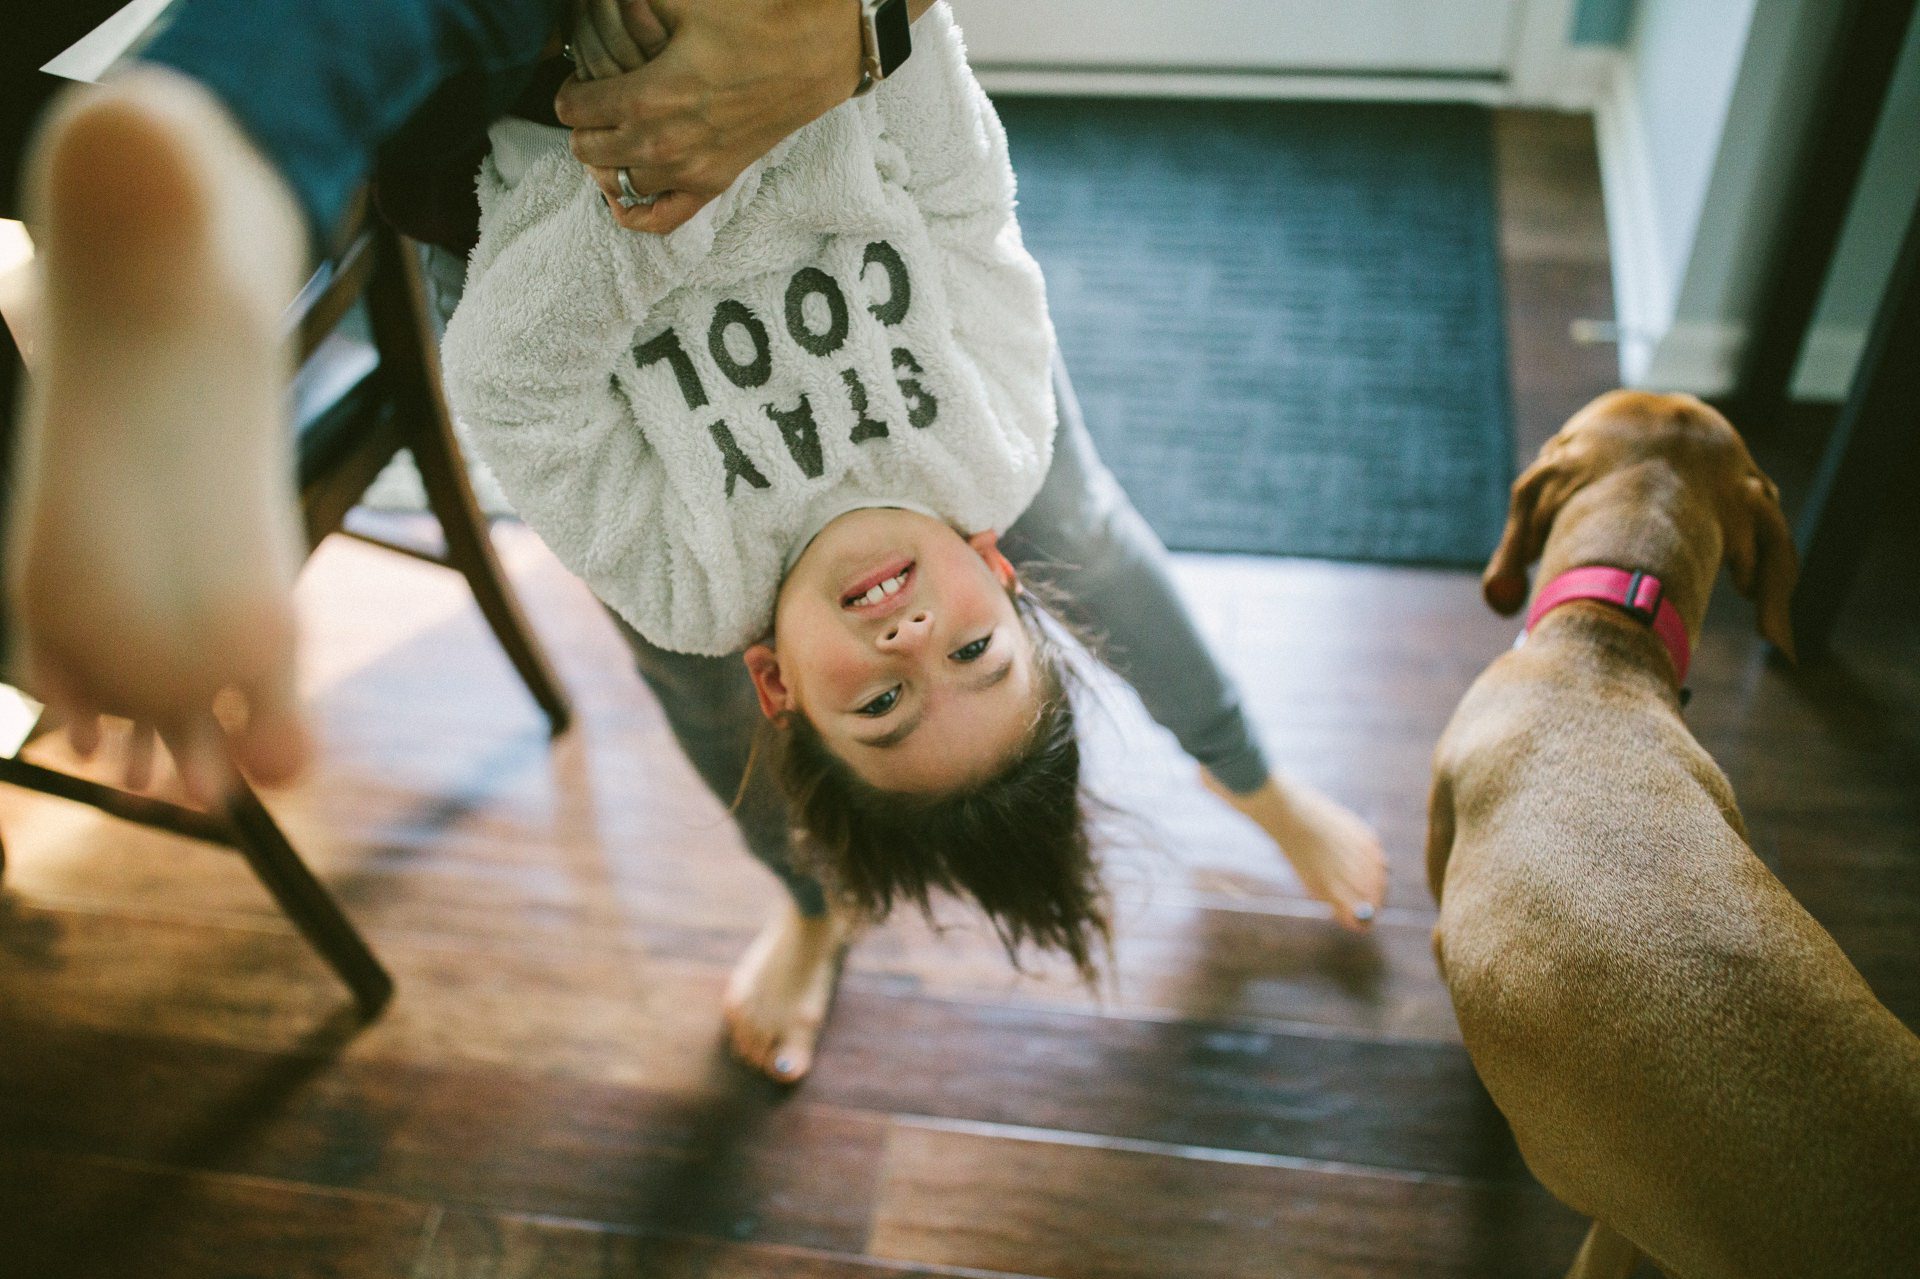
{"x": 1336, "y": 856}
{"x": 778, "y": 996}
{"x": 154, "y": 541}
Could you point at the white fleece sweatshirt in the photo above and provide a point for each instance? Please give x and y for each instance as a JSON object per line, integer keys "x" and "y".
{"x": 853, "y": 323}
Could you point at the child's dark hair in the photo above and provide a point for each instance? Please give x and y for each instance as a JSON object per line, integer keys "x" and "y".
{"x": 1017, "y": 842}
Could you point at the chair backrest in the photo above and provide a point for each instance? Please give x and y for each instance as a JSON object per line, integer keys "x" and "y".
{"x": 330, "y": 293}
{"x": 348, "y": 384}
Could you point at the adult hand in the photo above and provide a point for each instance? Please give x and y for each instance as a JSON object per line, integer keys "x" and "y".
{"x": 734, "y": 78}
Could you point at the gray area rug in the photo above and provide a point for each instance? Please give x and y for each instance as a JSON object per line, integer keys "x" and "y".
{"x": 1284, "y": 320}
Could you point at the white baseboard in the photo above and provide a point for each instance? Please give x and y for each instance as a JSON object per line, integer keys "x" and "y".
{"x": 1586, "y": 72}
{"x": 1704, "y": 359}
{"x": 1020, "y": 45}
{"x": 1701, "y": 359}
{"x": 1545, "y": 69}
{"x": 1102, "y": 82}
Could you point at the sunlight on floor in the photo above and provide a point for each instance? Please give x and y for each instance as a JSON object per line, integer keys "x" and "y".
{"x": 337, "y": 592}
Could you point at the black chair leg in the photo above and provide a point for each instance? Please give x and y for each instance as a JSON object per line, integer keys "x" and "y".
{"x": 307, "y": 902}
{"x": 396, "y": 301}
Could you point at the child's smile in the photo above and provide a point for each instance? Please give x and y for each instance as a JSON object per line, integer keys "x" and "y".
{"x": 898, "y": 639}
{"x": 880, "y": 593}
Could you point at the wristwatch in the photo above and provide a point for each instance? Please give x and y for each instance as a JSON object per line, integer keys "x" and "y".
{"x": 886, "y": 38}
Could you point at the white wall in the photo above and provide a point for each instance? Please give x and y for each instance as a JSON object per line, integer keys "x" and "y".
{"x": 1507, "y": 52}
{"x": 1385, "y": 37}
{"x": 1684, "y": 57}
{"x": 1699, "y": 137}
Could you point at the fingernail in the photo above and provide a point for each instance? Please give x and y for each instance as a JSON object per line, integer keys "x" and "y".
{"x": 783, "y": 1065}
{"x": 1363, "y": 912}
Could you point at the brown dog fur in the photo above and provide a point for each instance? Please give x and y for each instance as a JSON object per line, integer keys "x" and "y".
{"x": 1683, "y": 1053}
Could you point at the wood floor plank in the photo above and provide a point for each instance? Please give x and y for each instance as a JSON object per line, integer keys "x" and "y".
{"x": 70, "y": 1217}
{"x": 1549, "y": 189}
{"x": 613, "y": 1018}
{"x": 654, "y": 1028}
{"x": 1235, "y": 962}
{"x": 1389, "y": 1105}
{"x": 1553, "y": 252}
{"x": 476, "y": 1246}
{"x": 969, "y": 1198}
{"x": 1235, "y": 966}
{"x": 732, "y": 1162}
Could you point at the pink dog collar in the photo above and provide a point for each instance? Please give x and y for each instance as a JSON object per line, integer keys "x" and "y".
{"x": 1640, "y": 594}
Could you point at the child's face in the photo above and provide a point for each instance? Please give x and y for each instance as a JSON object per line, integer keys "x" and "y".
{"x": 926, "y": 689}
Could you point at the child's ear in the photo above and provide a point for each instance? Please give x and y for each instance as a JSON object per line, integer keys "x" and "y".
{"x": 987, "y": 546}
{"x": 775, "y": 698}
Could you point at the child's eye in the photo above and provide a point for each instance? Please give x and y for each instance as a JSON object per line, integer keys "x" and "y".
{"x": 974, "y": 651}
{"x": 881, "y": 704}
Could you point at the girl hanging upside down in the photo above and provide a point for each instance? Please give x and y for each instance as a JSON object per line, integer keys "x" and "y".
{"x": 797, "y": 445}
{"x": 816, "y": 428}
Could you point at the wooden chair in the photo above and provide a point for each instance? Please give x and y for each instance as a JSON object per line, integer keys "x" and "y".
{"x": 357, "y": 404}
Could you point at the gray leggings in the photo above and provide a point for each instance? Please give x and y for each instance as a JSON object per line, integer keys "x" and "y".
{"x": 1084, "y": 534}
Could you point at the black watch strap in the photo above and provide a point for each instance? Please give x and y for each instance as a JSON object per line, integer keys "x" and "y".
{"x": 886, "y": 39}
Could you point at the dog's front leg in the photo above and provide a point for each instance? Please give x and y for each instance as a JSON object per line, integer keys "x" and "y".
{"x": 1604, "y": 1255}
{"x": 1439, "y": 849}
{"x": 1439, "y": 830}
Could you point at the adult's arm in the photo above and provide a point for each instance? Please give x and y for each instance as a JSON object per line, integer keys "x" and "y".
{"x": 732, "y": 79}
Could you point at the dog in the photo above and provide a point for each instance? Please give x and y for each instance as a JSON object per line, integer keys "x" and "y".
{"x": 1684, "y": 1055}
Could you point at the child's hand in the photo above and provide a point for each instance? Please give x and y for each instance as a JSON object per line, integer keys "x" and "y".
{"x": 731, "y": 80}
{"x": 612, "y": 37}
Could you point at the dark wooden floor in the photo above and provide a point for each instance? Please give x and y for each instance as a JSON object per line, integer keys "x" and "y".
{"x": 182, "y": 1093}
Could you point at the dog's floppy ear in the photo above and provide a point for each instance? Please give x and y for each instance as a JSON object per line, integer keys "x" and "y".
{"x": 1529, "y": 516}
{"x": 1762, "y": 559}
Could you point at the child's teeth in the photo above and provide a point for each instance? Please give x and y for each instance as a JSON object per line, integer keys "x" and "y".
{"x": 873, "y": 595}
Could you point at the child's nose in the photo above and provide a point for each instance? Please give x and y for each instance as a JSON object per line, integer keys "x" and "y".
{"x": 908, "y": 633}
